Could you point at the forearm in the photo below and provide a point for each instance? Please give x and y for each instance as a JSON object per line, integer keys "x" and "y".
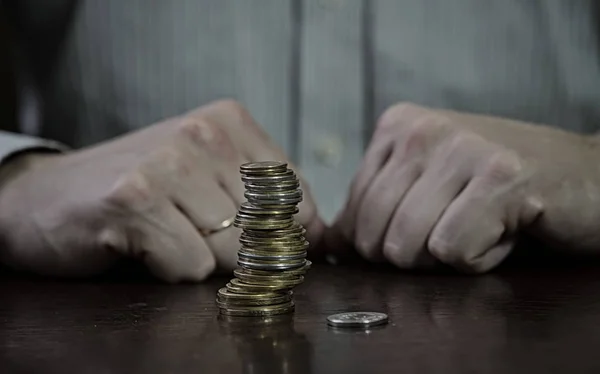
{"x": 17, "y": 152}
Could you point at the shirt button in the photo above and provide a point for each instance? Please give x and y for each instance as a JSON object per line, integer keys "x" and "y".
{"x": 329, "y": 150}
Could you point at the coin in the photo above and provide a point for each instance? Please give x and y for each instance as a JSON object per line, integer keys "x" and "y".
{"x": 270, "y": 310}
{"x": 357, "y": 319}
{"x": 258, "y": 288}
{"x": 288, "y": 176}
{"x": 246, "y": 222}
{"x": 249, "y": 209}
{"x": 293, "y": 230}
{"x": 281, "y": 186}
{"x": 272, "y": 254}
{"x": 271, "y": 265}
{"x": 271, "y": 299}
{"x": 263, "y": 167}
{"x": 255, "y": 241}
{"x": 294, "y": 272}
{"x": 224, "y": 294}
{"x": 244, "y": 274}
{"x": 283, "y": 280}
{"x": 274, "y": 248}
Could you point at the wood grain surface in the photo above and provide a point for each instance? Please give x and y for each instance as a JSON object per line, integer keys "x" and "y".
{"x": 515, "y": 321}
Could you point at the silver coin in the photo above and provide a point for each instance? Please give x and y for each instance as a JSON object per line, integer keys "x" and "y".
{"x": 357, "y": 319}
{"x": 256, "y": 265}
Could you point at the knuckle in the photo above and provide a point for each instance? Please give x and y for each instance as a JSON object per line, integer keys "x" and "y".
{"x": 502, "y": 166}
{"x": 131, "y": 190}
{"x": 394, "y": 253}
{"x": 171, "y": 160}
{"x": 443, "y": 249}
{"x": 463, "y": 141}
{"x": 401, "y": 110}
{"x": 231, "y": 106}
{"x": 237, "y": 115}
{"x": 112, "y": 240}
{"x": 365, "y": 246}
{"x": 394, "y": 116}
{"x": 449, "y": 253}
{"x": 199, "y": 130}
{"x": 208, "y": 135}
{"x": 474, "y": 266}
{"x": 206, "y": 268}
{"x": 419, "y": 133}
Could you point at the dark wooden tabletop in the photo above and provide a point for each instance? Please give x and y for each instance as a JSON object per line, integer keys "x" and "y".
{"x": 516, "y": 321}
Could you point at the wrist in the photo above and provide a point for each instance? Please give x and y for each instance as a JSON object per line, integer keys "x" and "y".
{"x": 21, "y": 162}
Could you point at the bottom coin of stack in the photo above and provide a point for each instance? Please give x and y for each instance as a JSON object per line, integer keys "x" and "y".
{"x": 272, "y": 257}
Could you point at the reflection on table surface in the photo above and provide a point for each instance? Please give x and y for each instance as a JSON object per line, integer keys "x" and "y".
{"x": 510, "y": 322}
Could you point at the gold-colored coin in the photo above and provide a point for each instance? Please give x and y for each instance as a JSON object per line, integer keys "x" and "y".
{"x": 257, "y": 211}
{"x": 245, "y": 222}
{"x": 249, "y": 273}
{"x": 270, "y": 265}
{"x": 253, "y": 255}
{"x": 294, "y": 230}
{"x": 238, "y": 289}
{"x": 270, "y": 279}
{"x": 258, "y": 287}
{"x": 270, "y": 310}
{"x": 276, "y": 247}
{"x": 275, "y": 298}
{"x": 293, "y": 272}
{"x": 226, "y": 295}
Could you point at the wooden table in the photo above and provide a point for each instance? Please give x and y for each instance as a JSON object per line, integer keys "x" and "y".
{"x": 517, "y": 321}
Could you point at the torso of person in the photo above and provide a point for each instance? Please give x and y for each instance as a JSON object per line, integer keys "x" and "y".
{"x": 316, "y": 74}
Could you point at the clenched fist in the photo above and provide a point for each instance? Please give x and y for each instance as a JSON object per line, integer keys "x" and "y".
{"x": 147, "y": 195}
{"x": 439, "y": 186}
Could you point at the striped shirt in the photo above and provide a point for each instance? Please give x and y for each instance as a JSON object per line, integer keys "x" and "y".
{"x": 315, "y": 74}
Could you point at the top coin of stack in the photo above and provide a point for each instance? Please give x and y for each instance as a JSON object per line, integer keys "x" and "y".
{"x": 272, "y": 258}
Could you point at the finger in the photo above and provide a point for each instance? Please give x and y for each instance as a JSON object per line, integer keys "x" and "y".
{"x": 489, "y": 210}
{"x": 447, "y": 173}
{"x": 489, "y": 259}
{"x": 406, "y": 130}
{"x": 192, "y": 184}
{"x": 254, "y": 144}
{"x": 375, "y": 158}
{"x": 230, "y": 180}
{"x": 471, "y": 226}
{"x": 207, "y": 198}
{"x": 172, "y": 248}
{"x": 342, "y": 233}
{"x": 246, "y": 134}
{"x": 204, "y": 202}
{"x": 225, "y": 245}
{"x": 379, "y": 204}
{"x": 215, "y": 148}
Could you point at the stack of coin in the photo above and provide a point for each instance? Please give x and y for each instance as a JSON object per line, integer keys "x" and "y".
{"x": 272, "y": 258}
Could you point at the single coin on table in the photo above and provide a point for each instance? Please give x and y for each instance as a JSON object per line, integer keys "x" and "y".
{"x": 357, "y": 319}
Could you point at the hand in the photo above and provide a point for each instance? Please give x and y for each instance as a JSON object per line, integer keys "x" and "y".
{"x": 146, "y": 195}
{"x": 443, "y": 187}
